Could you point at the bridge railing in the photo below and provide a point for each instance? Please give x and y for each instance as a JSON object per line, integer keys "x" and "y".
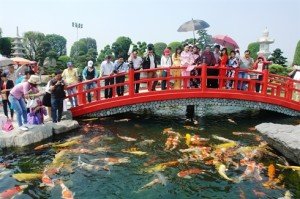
{"x": 202, "y": 78}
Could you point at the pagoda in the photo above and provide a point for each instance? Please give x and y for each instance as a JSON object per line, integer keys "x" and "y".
{"x": 18, "y": 46}
{"x": 264, "y": 43}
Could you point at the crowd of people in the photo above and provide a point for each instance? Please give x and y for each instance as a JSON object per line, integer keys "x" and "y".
{"x": 21, "y": 95}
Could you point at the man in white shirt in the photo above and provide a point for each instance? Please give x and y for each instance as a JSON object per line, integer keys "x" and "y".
{"x": 166, "y": 62}
{"x": 136, "y": 63}
{"x": 107, "y": 70}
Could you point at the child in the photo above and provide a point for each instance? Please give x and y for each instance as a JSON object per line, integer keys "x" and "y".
{"x": 36, "y": 115}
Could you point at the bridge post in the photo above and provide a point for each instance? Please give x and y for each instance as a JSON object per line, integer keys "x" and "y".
{"x": 131, "y": 82}
{"x": 289, "y": 89}
{"x": 222, "y": 75}
{"x": 203, "y": 77}
{"x": 265, "y": 82}
{"x": 81, "y": 96}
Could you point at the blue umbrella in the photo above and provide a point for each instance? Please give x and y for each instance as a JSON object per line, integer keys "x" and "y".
{"x": 192, "y": 26}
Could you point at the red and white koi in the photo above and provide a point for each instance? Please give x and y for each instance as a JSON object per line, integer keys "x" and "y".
{"x": 10, "y": 193}
{"x": 66, "y": 193}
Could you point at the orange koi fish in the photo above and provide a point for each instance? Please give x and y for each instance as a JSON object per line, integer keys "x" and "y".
{"x": 186, "y": 174}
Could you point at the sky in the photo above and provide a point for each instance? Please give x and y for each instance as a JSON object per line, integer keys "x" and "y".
{"x": 156, "y": 20}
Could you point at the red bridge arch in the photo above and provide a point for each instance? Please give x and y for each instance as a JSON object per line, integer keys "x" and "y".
{"x": 278, "y": 91}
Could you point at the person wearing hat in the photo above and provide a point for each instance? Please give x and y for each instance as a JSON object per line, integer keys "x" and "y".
{"x": 5, "y": 86}
{"x": 17, "y": 97}
{"x": 165, "y": 62}
{"x": 57, "y": 88}
{"x": 70, "y": 76}
{"x": 88, "y": 73}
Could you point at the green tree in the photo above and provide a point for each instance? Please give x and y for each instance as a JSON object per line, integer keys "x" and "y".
{"x": 188, "y": 41}
{"x": 277, "y": 58}
{"x": 61, "y": 65}
{"x": 104, "y": 53}
{"x": 58, "y": 44}
{"x": 204, "y": 39}
{"x": 42, "y": 52}
{"x": 175, "y": 44}
{"x": 140, "y": 47}
{"x": 5, "y": 46}
{"x": 254, "y": 49}
{"x": 121, "y": 47}
{"x": 279, "y": 69}
{"x": 82, "y": 51}
{"x": 31, "y": 42}
{"x": 159, "y": 49}
{"x": 297, "y": 55}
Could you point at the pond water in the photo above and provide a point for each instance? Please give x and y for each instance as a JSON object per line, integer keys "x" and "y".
{"x": 125, "y": 180}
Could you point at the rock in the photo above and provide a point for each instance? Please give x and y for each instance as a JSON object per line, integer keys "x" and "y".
{"x": 284, "y": 138}
{"x": 64, "y": 126}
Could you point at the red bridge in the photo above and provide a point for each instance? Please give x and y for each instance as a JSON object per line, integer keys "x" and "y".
{"x": 276, "y": 93}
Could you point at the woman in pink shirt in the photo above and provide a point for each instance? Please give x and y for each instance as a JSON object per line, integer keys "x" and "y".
{"x": 19, "y": 92}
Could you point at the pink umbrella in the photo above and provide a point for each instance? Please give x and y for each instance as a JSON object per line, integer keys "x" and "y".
{"x": 225, "y": 41}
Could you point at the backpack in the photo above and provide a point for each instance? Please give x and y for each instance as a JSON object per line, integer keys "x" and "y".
{"x": 7, "y": 126}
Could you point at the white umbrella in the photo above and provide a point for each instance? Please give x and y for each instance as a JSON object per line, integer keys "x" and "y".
{"x": 4, "y": 61}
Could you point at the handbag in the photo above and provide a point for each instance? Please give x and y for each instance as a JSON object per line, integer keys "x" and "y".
{"x": 31, "y": 103}
{"x": 7, "y": 126}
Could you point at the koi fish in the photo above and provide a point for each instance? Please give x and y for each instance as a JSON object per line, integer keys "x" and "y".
{"x": 128, "y": 139}
{"x": 66, "y": 193}
{"x": 43, "y": 146}
{"x": 115, "y": 161}
{"x": 186, "y": 174}
{"x": 47, "y": 181}
{"x": 188, "y": 139}
{"x": 86, "y": 166}
{"x": 221, "y": 170}
{"x": 27, "y": 176}
{"x": 191, "y": 128}
{"x": 294, "y": 168}
{"x": 287, "y": 195}
{"x": 122, "y": 120}
{"x": 89, "y": 119}
{"x": 161, "y": 166}
{"x": 134, "y": 152}
{"x": 101, "y": 149}
{"x": 252, "y": 170}
{"x": 160, "y": 179}
{"x": 81, "y": 150}
{"x": 252, "y": 129}
{"x": 67, "y": 144}
{"x": 226, "y": 145}
{"x": 242, "y": 133}
{"x": 150, "y": 161}
{"x": 4, "y": 173}
{"x": 271, "y": 172}
{"x": 231, "y": 121}
{"x": 58, "y": 159}
{"x": 259, "y": 194}
{"x": 242, "y": 194}
{"x": 10, "y": 193}
{"x": 172, "y": 143}
{"x": 95, "y": 140}
{"x": 196, "y": 140}
{"x": 221, "y": 138}
{"x": 146, "y": 142}
{"x": 53, "y": 170}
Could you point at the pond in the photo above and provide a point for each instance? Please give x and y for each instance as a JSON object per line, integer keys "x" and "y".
{"x": 106, "y": 159}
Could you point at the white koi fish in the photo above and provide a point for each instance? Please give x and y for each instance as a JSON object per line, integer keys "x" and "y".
{"x": 128, "y": 139}
{"x": 160, "y": 179}
{"x": 87, "y": 166}
{"x": 222, "y": 139}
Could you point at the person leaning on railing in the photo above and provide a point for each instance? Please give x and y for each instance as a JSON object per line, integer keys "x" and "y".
{"x": 136, "y": 63}
{"x": 259, "y": 65}
{"x": 176, "y": 72}
{"x": 120, "y": 67}
{"x": 70, "y": 75}
{"x": 89, "y": 73}
{"x": 150, "y": 62}
{"x": 165, "y": 62}
{"x": 246, "y": 63}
